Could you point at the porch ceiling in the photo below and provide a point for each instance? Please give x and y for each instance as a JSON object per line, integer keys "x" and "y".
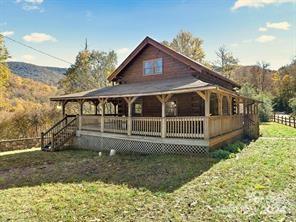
{"x": 176, "y": 85}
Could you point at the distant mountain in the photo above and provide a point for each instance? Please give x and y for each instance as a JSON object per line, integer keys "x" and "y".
{"x": 48, "y": 75}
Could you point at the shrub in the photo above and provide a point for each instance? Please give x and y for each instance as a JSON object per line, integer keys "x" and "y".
{"x": 292, "y": 104}
{"x": 220, "y": 154}
{"x": 228, "y": 151}
{"x": 234, "y": 147}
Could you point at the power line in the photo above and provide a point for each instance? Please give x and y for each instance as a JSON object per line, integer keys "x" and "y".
{"x": 37, "y": 50}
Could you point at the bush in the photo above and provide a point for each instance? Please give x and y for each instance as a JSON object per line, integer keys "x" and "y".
{"x": 228, "y": 151}
{"x": 234, "y": 147}
{"x": 220, "y": 154}
{"x": 292, "y": 104}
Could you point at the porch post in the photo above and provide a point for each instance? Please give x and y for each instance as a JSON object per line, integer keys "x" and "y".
{"x": 206, "y": 97}
{"x": 163, "y": 99}
{"x": 229, "y": 99}
{"x": 129, "y": 101}
{"x": 64, "y": 108}
{"x": 102, "y": 107}
{"x": 220, "y": 97}
{"x": 238, "y": 104}
{"x": 207, "y": 115}
{"x": 81, "y": 107}
{"x": 80, "y": 114}
{"x": 96, "y": 103}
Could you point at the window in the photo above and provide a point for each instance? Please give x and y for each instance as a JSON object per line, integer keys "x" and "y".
{"x": 171, "y": 108}
{"x": 153, "y": 66}
{"x": 138, "y": 108}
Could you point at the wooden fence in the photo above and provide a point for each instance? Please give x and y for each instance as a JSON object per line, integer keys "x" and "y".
{"x": 288, "y": 121}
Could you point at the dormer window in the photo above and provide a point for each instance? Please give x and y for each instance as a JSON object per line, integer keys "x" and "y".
{"x": 153, "y": 66}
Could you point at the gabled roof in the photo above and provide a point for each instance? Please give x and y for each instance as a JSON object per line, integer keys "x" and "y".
{"x": 184, "y": 59}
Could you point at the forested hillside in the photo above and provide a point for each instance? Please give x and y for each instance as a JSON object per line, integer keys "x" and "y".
{"x": 24, "y": 107}
{"x": 48, "y": 75}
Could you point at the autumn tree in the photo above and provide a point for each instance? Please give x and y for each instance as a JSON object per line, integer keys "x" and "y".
{"x": 90, "y": 70}
{"x": 188, "y": 45}
{"x": 262, "y": 73}
{"x": 4, "y": 70}
{"x": 225, "y": 62}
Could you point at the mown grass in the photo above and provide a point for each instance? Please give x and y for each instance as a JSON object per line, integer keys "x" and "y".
{"x": 271, "y": 129}
{"x": 258, "y": 184}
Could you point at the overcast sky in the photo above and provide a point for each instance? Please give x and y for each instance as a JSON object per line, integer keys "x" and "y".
{"x": 252, "y": 29}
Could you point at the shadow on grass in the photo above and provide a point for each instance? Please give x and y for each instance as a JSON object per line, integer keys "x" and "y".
{"x": 157, "y": 173}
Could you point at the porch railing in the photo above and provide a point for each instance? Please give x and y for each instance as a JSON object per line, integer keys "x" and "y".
{"x": 115, "y": 124}
{"x": 185, "y": 127}
{"x": 146, "y": 126}
{"x": 219, "y": 125}
{"x": 175, "y": 127}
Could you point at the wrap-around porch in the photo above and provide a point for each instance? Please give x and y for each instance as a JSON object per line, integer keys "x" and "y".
{"x": 215, "y": 114}
{"x": 182, "y": 112}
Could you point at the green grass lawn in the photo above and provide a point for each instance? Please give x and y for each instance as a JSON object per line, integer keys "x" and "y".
{"x": 271, "y": 129}
{"x": 257, "y": 184}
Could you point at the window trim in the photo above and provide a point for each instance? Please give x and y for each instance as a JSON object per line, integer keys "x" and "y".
{"x": 152, "y": 74}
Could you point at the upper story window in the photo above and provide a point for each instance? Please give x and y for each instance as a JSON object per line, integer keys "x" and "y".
{"x": 153, "y": 66}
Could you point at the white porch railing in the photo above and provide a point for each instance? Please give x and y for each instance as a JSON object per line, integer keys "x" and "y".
{"x": 200, "y": 127}
{"x": 115, "y": 124}
{"x": 146, "y": 126}
{"x": 185, "y": 127}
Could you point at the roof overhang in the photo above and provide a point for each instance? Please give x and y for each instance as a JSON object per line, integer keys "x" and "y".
{"x": 151, "y": 88}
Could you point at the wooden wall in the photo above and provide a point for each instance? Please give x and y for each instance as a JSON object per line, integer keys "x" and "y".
{"x": 188, "y": 104}
{"x": 172, "y": 68}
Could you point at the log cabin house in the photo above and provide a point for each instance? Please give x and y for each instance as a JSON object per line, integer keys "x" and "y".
{"x": 162, "y": 102}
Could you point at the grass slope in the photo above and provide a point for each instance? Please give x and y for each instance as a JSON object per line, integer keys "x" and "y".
{"x": 256, "y": 185}
{"x": 271, "y": 129}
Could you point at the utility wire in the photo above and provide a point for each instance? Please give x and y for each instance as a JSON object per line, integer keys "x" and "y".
{"x": 37, "y": 50}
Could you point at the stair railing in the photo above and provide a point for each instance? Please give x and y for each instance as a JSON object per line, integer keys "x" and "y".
{"x": 48, "y": 137}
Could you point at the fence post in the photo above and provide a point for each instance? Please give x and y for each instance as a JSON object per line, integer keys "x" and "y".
{"x": 294, "y": 122}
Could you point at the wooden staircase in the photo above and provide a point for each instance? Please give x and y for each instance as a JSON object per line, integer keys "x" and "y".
{"x": 59, "y": 134}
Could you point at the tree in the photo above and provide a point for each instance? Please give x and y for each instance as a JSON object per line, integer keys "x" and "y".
{"x": 225, "y": 62}
{"x": 285, "y": 87}
{"x": 263, "y": 69}
{"x": 188, "y": 45}
{"x": 265, "y": 107}
{"x": 90, "y": 70}
{"x": 4, "y": 70}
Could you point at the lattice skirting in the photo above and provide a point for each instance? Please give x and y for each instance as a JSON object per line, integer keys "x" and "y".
{"x": 123, "y": 145}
